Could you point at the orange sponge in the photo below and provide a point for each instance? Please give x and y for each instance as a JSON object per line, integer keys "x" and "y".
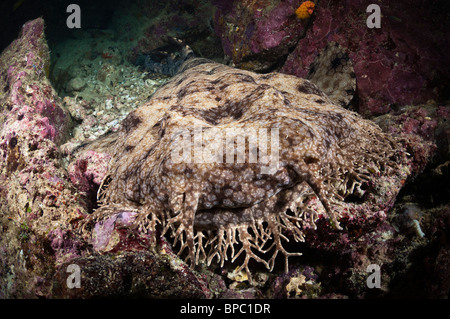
{"x": 305, "y": 10}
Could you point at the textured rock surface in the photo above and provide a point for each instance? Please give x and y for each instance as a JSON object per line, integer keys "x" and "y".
{"x": 36, "y": 197}
{"x": 189, "y": 20}
{"x": 33, "y": 122}
{"x": 403, "y": 62}
{"x": 256, "y": 34}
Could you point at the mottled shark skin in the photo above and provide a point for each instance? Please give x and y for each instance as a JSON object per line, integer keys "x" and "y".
{"x": 314, "y": 156}
{"x": 332, "y": 71}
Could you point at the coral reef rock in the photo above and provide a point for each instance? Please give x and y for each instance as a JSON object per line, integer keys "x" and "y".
{"x": 189, "y": 20}
{"x": 403, "y": 62}
{"x": 33, "y": 124}
{"x": 35, "y": 195}
{"x": 255, "y": 34}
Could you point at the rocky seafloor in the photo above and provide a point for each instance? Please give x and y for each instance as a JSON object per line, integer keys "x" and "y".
{"x": 57, "y": 94}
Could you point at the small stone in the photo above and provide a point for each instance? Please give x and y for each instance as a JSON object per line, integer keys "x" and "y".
{"x": 76, "y": 84}
{"x": 108, "y": 104}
